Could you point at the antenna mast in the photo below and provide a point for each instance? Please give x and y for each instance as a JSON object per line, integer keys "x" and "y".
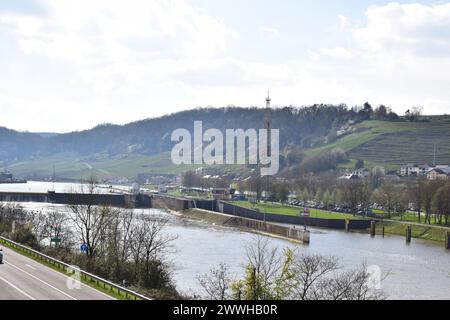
{"x": 434, "y": 155}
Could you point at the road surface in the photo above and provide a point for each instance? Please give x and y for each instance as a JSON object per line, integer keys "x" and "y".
{"x": 22, "y": 278}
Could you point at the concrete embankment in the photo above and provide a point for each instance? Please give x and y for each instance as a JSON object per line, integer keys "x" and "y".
{"x": 285, "y": 232}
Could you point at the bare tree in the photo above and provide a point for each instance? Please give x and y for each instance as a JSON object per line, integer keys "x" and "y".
{"x": 415, "y": 194}
{"x": 355, "y": 192}
{"x": 119, "y": 240}
{"x": 56, "y": 226}
{"x": 309, "y": 270}
{"x": 90, "y": 220}
{"x": 387, "y": 195}
{"x": 300, "y": 277}
{"x": 216, "y": 284}
{"x": 265, "y": 262}
{"x": 348, "y": 285}
{"x": 149, "y": 243}
{"x": 38, "y": 221}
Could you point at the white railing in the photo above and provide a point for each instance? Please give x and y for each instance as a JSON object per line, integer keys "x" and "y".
{"x": 100, "y": 282}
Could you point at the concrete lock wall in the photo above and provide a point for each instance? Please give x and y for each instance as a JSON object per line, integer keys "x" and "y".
{"x": 115, "y": 200}
{"x": 283, "y": 231}
{"x": 231, "y": 209}
{"x": 23, "y": 197}
{"x": 172, "y": 203}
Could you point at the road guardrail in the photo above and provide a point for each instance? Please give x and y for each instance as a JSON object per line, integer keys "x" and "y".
{"x": 100, "y": 282}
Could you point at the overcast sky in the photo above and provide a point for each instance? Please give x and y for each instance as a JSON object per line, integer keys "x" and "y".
{"x": 69, "y": 65}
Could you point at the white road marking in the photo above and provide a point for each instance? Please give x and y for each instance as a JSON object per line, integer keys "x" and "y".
{"x": 42, "y": 281}
{"x": 18, "y": 289}
{"x": 82, "y": 284}
{"x": 30, "y": 266}
{"x": 37, "y": 266}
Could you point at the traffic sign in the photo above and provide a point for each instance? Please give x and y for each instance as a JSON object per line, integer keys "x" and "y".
{"x": 56, "y": 240}
{"x": 84, "y": 247}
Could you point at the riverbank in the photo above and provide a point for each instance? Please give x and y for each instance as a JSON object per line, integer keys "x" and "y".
{"x": 249, "y": 225}
{"x": 391, "y": 227}
{"x": 424, "y": 232}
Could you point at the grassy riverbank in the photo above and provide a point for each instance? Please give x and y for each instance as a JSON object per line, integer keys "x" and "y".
{"x": 277, "y": 208}
{"x": 426, "y": 232}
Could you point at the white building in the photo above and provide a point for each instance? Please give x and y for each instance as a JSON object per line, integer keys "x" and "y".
{"x": 414, "y": 169}
{"x": 431, "y": 172}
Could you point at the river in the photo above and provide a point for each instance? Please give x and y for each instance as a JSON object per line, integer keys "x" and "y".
{"x": 420, "y": 270}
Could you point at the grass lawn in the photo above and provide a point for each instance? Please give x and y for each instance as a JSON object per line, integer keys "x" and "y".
{"x": 276, "y": 208}
{"x": 431, "y": 232}
{"x": 408, "y": 217}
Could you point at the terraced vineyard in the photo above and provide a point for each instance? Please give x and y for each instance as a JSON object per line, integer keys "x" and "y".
{"x": 390, "y": 143}
{"x": 413, "y": 143}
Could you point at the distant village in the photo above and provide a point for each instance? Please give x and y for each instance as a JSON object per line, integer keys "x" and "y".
{"x": 430, "y": 172}
{"x": 7, "y": 177}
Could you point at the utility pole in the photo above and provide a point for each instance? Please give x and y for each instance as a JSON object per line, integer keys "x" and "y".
{"x": 434, "y": 155}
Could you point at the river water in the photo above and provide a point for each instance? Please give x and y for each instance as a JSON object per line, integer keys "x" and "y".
{"x": 420, "y": 270}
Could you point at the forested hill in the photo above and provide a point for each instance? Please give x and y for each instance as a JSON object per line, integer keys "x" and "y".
{"x": 303, "y": 127}
{"x": 312, "y": 139}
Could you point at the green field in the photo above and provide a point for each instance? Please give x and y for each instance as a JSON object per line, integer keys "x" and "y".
{"x": 73, "y": 166}
{"x": 277, "y": 208}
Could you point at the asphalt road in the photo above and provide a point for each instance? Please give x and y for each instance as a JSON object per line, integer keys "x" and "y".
{"x": 22, "y": 278}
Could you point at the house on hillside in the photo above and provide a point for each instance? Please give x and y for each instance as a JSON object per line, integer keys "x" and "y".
{"x": 423, "y": 169}
{"x": 6, "y": 177}
{"x": 438, "y": 172}
{"x": 349, "y": 176}
{"x": 409, "y": 170}
{"x": 442, "y": 173}
{"x": 222, "y": 193}
{"x": 362, "y": 173}
{"x": 415, "y": 170}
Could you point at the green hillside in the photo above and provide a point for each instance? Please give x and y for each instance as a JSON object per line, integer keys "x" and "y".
{"x": 378, "y": 143}
{"x": 72, "y": 166}
{"x": 391, "y": 144}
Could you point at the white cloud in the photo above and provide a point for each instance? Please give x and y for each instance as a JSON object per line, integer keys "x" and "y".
{"x": 110, "y": 54}
{"x": 91, "y": 30}
{"x": 343, "y": 21}
{"x": 338, "y": 52}
{"x": 86, "y": 62}
{"x": 407, "y": 29}
{"x": 269, "y": 32}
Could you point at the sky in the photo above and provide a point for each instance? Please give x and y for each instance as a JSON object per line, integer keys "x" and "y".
{"x": 70, "y": 65}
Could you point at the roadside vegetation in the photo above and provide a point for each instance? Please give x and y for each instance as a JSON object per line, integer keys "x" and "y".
{"x": 123, "y": 247}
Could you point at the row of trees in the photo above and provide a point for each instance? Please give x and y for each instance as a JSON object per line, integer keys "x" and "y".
{"x": 271, "y": 275}
{"x": 427, "y": 198}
